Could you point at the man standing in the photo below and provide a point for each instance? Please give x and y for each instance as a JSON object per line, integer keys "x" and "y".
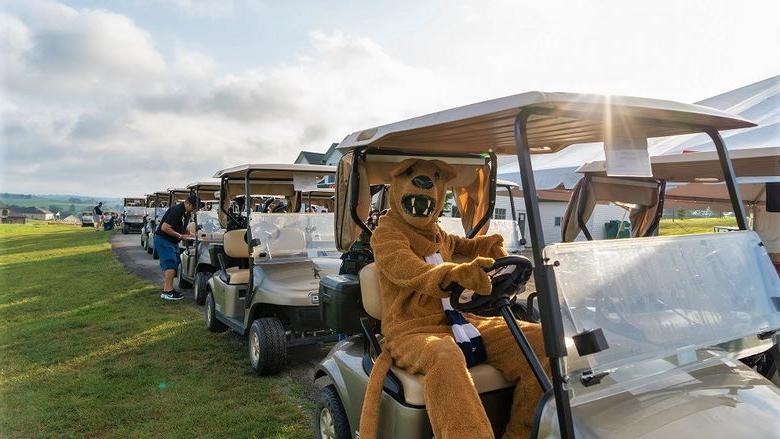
{"x": 97, "y": 215}
{"x": 172, "y": 229}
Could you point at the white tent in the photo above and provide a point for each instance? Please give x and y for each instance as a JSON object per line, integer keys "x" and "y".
{"x": 758, "y": 102}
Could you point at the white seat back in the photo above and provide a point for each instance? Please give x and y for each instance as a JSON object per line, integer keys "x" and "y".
{"x": 369, "y": 290}
{"x": 235, "y": 243}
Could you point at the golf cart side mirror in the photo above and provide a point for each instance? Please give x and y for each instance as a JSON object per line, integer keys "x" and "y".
{"x": 773, "y": 197}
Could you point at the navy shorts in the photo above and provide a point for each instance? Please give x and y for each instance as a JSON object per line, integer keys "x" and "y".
{"x": 168, "y": 253}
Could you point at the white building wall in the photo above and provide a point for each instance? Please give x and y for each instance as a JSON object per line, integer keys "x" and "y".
{"x": 552, "y": 210}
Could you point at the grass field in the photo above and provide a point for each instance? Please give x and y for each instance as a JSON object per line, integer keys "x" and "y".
{"x": 693, "y": 225}
{"x": 88, "y": 350}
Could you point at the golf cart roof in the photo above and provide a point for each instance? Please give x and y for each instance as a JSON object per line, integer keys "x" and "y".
{"x": 178, "y": 189}
{"x": 705, "y": 166}
{"x": 275, "y": 171}
{"x": 579, "y": 118}
{"x": 204, "y": 185}
{"x": 511, "y": 184}
{"x": 161, "y": 193}
{"x": 702, "y": 176}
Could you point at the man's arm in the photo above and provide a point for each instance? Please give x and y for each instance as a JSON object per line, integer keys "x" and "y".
{"x": 168, "y": 230}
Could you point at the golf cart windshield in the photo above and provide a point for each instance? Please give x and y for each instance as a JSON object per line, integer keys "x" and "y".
{"x": 293, "y": 234}
{"x": 665, "y": 296}
{"x": 208, "y": 220}
{"x": 135, "y": 211}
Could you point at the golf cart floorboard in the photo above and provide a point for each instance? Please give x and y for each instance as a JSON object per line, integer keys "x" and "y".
{"x": 237, "y": 326}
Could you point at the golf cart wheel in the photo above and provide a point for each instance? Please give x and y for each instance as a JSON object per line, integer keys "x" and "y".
{"x": 154, "y": 254}
{"x": 210, "y": 315}
{"x": 146, "y": 246}
{"x": 330, "y": 420}
{"x": 200, "y": 285}
{"x": 125, "y": 230}
{"x": 180, "y": 282}
{"x": 267, "y": 346}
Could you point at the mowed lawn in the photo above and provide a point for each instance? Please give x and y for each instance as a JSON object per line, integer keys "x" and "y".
{"x": 88, "y": 350}
{"x": 693, "y": 225}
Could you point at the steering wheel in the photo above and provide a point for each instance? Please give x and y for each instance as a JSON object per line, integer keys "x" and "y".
{"x": 507, "y": 275}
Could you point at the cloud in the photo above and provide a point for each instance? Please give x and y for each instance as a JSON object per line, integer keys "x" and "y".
{"x": 58, "y": 49}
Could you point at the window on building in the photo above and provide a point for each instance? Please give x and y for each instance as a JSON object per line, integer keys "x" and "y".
{"x": 557, "y": 221}
{"x": 499, "y": 213}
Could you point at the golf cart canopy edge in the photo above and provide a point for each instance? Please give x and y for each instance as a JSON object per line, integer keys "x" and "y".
{"x": 574, "y": 118}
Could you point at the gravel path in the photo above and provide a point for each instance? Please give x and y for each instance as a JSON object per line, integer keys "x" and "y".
{"x": 302, "y": 361}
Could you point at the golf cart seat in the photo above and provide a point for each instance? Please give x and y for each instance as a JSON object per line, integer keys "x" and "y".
{"x": 236, "y": 247}
{"x": 486, "y": 378}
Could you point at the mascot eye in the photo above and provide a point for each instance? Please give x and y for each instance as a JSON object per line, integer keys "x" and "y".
{"x": 436, "y": 175}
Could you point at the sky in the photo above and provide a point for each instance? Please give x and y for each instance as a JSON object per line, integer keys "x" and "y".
{"x": 113, "y": 98}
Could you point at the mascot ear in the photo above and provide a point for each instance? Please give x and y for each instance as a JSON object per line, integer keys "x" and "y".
{"x": 403, "y": 167}
{"x": 447, "y": 171}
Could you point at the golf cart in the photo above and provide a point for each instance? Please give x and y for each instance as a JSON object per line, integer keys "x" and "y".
{"x": 150, "y": 200}
{"x": 511, "y": 229}
{"x": 196, "y": 266}
{"x": 641, "y": 334}
{"x": 133, "y": 212}
{"x": 270, "y": 263}
{"x": 153, "y": 218}
{"x": 87, "y": 220}
{"x": 688, "y": 180}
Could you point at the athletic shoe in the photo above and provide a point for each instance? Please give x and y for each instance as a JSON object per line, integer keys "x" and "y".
{"x": 171, "y": 295}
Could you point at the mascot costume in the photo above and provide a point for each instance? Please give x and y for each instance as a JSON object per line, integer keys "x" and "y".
{"x": 423, "y": 334}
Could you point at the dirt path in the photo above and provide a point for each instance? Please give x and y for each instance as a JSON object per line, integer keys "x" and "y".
{"x": 302, "y": 361}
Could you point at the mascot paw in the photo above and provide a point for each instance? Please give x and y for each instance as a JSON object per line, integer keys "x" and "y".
{"x": 471, "y": 275}
{"x": 496, "y": 246}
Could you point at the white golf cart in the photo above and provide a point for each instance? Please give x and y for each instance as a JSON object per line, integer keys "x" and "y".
{"x": 87, "y": 220}
{"x": 133, "y": 212}
{"x": 688, "y": 180}
{"x": 642, "y": 335}
{"x": 196, "y": 267}
{"x": 159, "y": 205}
{"x": 270, "y": 263}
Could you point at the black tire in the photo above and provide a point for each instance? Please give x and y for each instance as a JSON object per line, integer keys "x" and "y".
{"x": 200, "y": 287}
{"x": 267, "y": 346}
{"x": 209, "y": 314}
{"x": 154, "y": 253}
{"x": 180, "y": 281}
{"x": 125, "y": 230}
{"x": 147, "y": 247}
{"x": 330, "y": 419}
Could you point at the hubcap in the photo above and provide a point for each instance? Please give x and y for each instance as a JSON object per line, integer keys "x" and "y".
{"x": 255, "y": 348}
{"x": 327, "y": 429}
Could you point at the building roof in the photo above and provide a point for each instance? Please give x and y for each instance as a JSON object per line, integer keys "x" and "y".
{"x": 310, "y": 157}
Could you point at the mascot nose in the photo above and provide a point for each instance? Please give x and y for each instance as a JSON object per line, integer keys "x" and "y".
{"x": 422, "y": 182}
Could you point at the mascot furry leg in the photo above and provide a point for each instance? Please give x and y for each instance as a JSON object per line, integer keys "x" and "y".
{"x": 455, "y": 409}
{"x": 504, "y": 354}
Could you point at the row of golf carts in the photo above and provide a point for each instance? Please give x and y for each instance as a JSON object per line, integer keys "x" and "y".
{"x": 651, "y": 336}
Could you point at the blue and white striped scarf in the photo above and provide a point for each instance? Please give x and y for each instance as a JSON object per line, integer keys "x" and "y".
{"x": 467, "y": 337}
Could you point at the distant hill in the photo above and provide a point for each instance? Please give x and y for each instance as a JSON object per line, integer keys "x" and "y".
{"x": 65, "y": 204}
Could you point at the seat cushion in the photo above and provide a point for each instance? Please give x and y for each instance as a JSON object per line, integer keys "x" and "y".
{"x": 238, "y": 275}
{"x": 486, "y": 379}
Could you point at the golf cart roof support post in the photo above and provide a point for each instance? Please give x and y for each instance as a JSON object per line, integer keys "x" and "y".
{"x": 729, "y": 178}
{"x": 549, "y": 306}
{"x": 354, "y": 192}
{"x": 248, "y": 238}
{"x": 511, "y": 203}
{"x": 492, "y": 202}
